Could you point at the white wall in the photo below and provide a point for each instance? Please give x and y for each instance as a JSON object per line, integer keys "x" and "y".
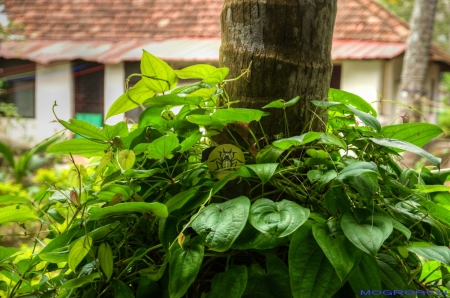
{"x": 363, "y": 78}
{"x": 53, "y": 83}
{"x": 114, "y": 87}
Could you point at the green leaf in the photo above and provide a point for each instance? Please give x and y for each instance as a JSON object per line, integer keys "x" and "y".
{"x": 119, "y": 129}
{"x": 338, "y": 249}
{"x": 7, "y": 153}
{"x": 399, "y": 227}
{"x": 311, "y": 274}
{"x": 416, "y": 133}
{"x": 55, "y": 257}
{"x": 391, "y": 276}
{"x": 336, "y": 95}
{"x": 7, "y": 252}
{"x": 126, "y": 159}
{"x": 331, "y": 139}
{"x": 220, "y": 224}
{"x": 202, "y": 92}
{"x": 56, "y": 216}
{"x": 122, "y": 290}
{"x": 432, "y": 188}
{"x": 433, "y": 253}
{"x": 232, "y": 115}
{"x": 368, "y": 119}
{"x": 229, "y": 284}
{"x": 9, "y": 200}
{"x": 16, "y": 213}
{"x": 251, "y": 238}
{"x": 357, "y": 168}
{"x": 178, "y": 200}
{"x": 264, "y": 171}
{"x": 189, "y": 142}
{"x": 269, "y": 154}
{"x": 366, "y": 276}
{"x": 277, "y": 218}
{"x": 408, "y": 147}
{"x": 197, "y": 71}
{"x": 157, "y": 74}
{"x": 84, "y": 128}
{"x": 368, "y": 232}
{"x": 80, "y": 281}
{"x": 172, "y": 100}
{"x": 217, "y": 76}
{"x": 156, "y": 208}
{"x": 163, "y": 147}
{"x": 131, "y": 99}
{"x": 109, "y": 191}
{"x": 132, "y": 173}
{"x": 281, "y": 103}
{"x": 152, "y": 116}
{"x": 436, "y": 211}
{"x": 336, "y": 201}
{"x": 365, "y": 183}
{"x": 82, "y": 147}
{"x": 78, "y": 251}
{"x": 184, "y": 266}
{"x": 271, "y": 284}
{"x": 105, "y": 258}
{"x": 297, "y": 140}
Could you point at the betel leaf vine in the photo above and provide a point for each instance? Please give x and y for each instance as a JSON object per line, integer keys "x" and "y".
{"x": 316, "y": 215}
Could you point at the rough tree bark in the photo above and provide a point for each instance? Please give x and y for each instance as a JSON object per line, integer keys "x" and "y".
{"x": 289, "y": 45}
{"x": 415, "y": 62}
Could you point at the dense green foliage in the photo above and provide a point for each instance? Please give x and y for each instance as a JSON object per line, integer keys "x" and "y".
{"x": 322, "y": 214}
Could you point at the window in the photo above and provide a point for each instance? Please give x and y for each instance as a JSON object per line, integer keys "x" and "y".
{"x": 18, "y": 86}
{"x": 88, "y": 83}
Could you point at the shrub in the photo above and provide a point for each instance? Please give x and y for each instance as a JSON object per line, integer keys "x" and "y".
{"x": 314, "y": 215}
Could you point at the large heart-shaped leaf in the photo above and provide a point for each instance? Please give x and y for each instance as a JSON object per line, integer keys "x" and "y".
{"x": 264, "y": 171}
{"x": 277, "y": 218}
{"x": 368, "y": 232}
{"x": 338, "y": 249}
{"x": 220, "y": 224}
{"x": 311, "y": 274}
{"x": 184, "y": 265}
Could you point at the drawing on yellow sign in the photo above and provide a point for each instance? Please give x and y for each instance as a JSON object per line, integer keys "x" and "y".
{"x": 227, "y": 157}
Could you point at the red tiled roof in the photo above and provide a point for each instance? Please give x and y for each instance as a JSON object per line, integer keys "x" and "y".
{"x": 114, "y": 20}
{"x": 110, "y": 31}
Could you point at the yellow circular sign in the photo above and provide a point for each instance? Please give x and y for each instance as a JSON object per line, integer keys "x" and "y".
{"x": 224, "y": 160}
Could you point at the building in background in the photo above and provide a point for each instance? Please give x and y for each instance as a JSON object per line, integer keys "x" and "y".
{"x": 79, "y": 53}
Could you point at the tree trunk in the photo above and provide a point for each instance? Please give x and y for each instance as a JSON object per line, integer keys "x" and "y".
{"x": 415, "y": 62}
{"x": 289, "y": 45}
